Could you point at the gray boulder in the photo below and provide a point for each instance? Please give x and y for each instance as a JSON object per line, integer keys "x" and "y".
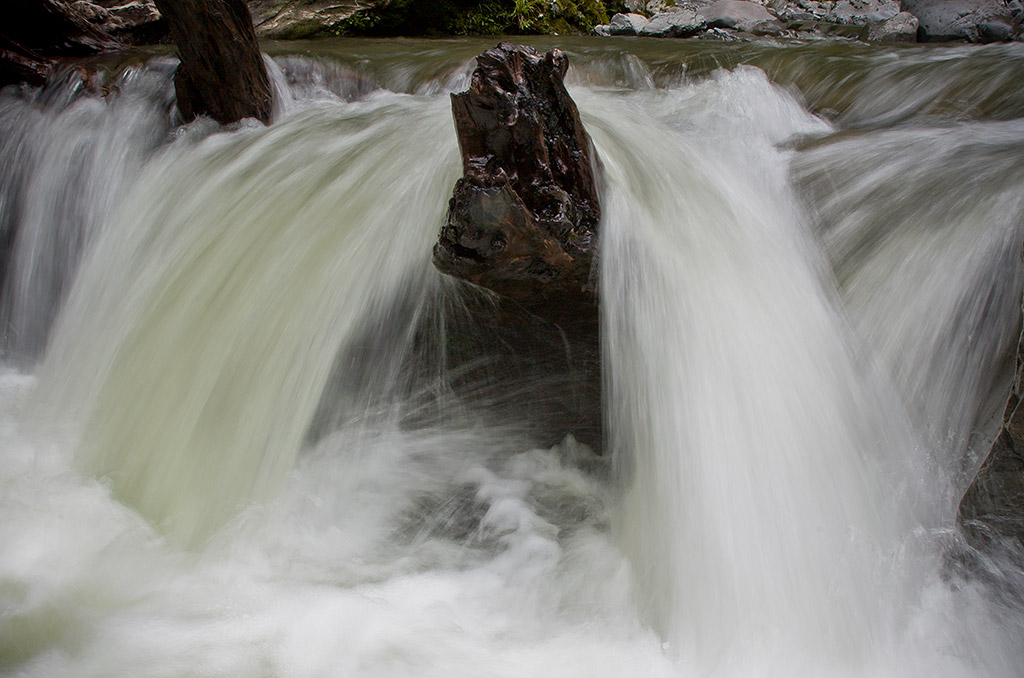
{"x": 740, "y": 15}
{"x": 677, "y": 24}
{"x": 900, "y": 28}
{"x": 841, "y": 12}
{"x": 627, "y": 24}
{"x": 294, "y": 19}
{"x": 655, "y": 7}
{"x": 635, "y": 6}
{"x": 132, "y": 21}
{"x": 971, "y": 20}
{"x": 862, "y": 12}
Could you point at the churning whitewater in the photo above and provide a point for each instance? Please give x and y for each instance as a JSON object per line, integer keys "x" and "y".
{"x": 232, "y": 444}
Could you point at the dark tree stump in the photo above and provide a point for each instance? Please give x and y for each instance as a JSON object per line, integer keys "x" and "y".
{"x": 222, "y": 73}
{"x": 523, "y": 219}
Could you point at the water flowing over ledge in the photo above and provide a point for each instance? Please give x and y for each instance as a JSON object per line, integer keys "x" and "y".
{"x": 248, "y": 430}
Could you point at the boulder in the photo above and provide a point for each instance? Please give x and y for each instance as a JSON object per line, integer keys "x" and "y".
{"x": 862, "y": 12}
{"x": 18, "y": 65}
{"x": 627, "y": 24}
{"x": 222, "y": 74}
{"x": 900, "y": 28}
{"x": 54, "y": 28}
{"x": 36, "y": 31}
{"x": 677, "y": 24}
{"x": 800, "y": 10}
{"x": 740, "y": 15}
{"x": 841, "y": 12}
{"x": 134, "y": 22}
{"x": 522, "y": 221}
{"x": 655, "y": 7}
{"x": 635, "y": 6}
{"x": 971, "y": 20}
{"x": 294, "y": 19}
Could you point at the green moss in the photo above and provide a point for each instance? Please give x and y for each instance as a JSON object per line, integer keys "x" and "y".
{"x": 300, "y": 30}
{"x": 476, "y": 17}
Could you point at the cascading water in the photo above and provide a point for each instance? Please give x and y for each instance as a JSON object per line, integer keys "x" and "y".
{"x": 745, "y": 431}
{"x": 247, "y": 450}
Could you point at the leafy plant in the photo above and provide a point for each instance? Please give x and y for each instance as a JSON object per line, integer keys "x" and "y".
{"x": 475, "y": 17}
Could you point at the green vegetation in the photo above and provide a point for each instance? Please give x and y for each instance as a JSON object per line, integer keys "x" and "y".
{"x": 478, "y": 17}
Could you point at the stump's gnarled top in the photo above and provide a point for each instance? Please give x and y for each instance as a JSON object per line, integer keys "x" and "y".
{"x": 523, "y": 218}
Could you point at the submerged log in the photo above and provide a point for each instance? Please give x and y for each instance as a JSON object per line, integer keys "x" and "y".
{"x": 222, "y": 73}
{"x": 523, "y": 219}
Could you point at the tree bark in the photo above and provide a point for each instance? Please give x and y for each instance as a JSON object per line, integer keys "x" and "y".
{"x": 522, "y": 222}
{"x": 523, "y": 219}
{"x": 222, "y": 74}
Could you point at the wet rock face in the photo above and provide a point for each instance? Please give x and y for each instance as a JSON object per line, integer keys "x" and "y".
{"x": 992, "y": 509}
{"x": 900, "y": 28}
{"x": 53, "y": 28}
{"x": 222, "y": 73}
{"x": 971, "y": 20}
{"x": 18, "y": 64}
{"x": 523, "y": 219}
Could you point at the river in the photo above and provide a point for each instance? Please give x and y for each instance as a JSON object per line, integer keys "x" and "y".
{"x": 234, "y": 441}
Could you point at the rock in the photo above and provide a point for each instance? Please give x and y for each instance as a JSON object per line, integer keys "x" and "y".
{"x": 842, "y": 12}
{"x": 18, "y": 65}
{"x": 740, "y": 15}
{"x": 862, "y": 12}
{"x": 680, "y": 23}
{"x": 93, "y": 13}
{"x": 635, "y": 6}
{"x": 522, "y": 221}
{"x": 135, "y": 22}
{"x": 722, "y": 35}
{"x": 35, "y": 31}
{"x": 992, "y": 509}
{"x": 222, "y": 73}
{"x": 627, "y": 24}
{"x": 601, "y": 31}
{"x": 655, "y": 7}
{"x": 971, "y": 20}
{"x": 54, "y": 28}
{"x": 800, "y": 10}
{"x": 295, "y": 19}
{"x": 900, "y": 28}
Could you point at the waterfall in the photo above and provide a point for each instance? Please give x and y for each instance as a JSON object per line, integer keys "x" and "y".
{"x": 247, "y": 429}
